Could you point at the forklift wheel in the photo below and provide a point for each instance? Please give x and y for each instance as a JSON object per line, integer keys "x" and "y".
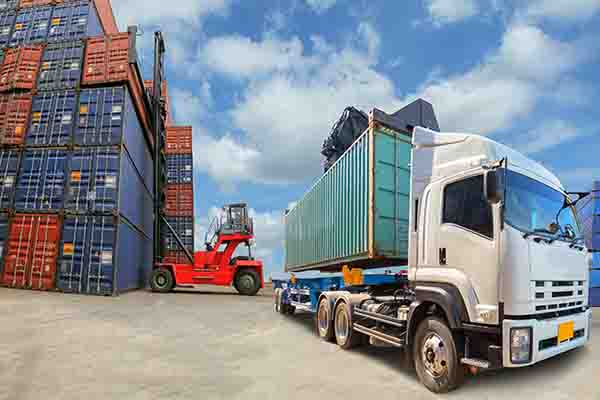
{"x": 247, "y": 282}
{"x": 162, "y": 280}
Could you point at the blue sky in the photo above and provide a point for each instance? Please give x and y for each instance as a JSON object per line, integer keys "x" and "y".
{"x": 263, "y": 81}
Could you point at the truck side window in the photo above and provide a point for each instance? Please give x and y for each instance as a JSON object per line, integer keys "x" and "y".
{"x": 465, "y": 205}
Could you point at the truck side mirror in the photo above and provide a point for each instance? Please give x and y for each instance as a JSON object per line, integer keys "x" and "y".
{"x": 493, "y": 185}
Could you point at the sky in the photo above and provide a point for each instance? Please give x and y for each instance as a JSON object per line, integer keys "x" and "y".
{"x": 263, "y": 81}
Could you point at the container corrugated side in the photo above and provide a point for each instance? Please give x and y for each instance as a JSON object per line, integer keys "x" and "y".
{"x": 4, "y": 225}
{"x": 74, "y": 20}
{"x": 15, "y": 111}
{"x": 20, "y": 68}
{"x": 42, "y": 179}
{"x": 102, "y": 255}
{"x": 7, "y": 22}
{"x": 31, "y": 26}
{"x": 103, "y": 180}
{"x": 184, "y": 227}
{"x": 52, "y": 119}
{"x": 106, "y": 116}
{"x": 179, "y": 200}
{"x": 357, "y": 213}
{"x": 9, "y": 167}
{"x": 61, "y": 66}
{"x": 179, "y": 140}
{"x": 31, "y": 251}
{"x": 8, "y": 5}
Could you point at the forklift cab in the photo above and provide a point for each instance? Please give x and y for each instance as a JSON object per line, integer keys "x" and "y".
{"x": 233, "y": 221}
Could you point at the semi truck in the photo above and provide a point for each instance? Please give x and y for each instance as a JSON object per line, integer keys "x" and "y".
{"x": 494, "y": 272}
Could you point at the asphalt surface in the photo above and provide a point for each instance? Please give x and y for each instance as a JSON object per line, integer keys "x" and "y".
{"x": 214, "y": 344}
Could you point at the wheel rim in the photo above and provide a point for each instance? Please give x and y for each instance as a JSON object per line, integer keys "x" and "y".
{"x": 246, "y": 283}
{"x": 341, "y": 326}
{"x": 161, "y": 280}
{"x": 323, "y": 318}
{"x": 276, "y": 301}
{"x": 434, "y": 354}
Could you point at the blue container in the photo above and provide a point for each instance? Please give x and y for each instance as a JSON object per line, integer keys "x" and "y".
{"x": 41, "y": 181}
{"x": 3, "y": 238}
{"x": 102, "y": 255}
{"x": 595, "y": 278}
{"x": 52, "y": 119}
{"x": 7, "y": 5}
{"x": 9, "y": 167}
{"x": 180, "y": 168}
{"x": 74, "y": 20}
{"x": 7, "y": 22}
{"x": 61, "y": 66}
{"x": 104, "y": 180}
{"x": 31, "y": 25}
{"x": 595, "y": 297}
{"x": 107, "y": 117}
{"x": 184, "y": 226}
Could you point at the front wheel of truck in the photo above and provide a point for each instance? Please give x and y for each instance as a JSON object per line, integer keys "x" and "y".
{"x": 436, "y": 356}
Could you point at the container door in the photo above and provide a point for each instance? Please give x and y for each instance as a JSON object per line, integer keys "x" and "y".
{"x": 14, "y": 116}
{"x": 45, "y": 252}
{"x": 75, "y": 20}
{"x": 41, "y": 184}
{"x": 7, "y": 21}
{"x": 61, "y": 66}
{"x": 74, "y": 247}
{"x": 100, "y": 261}
{"x": 100, "y": 121}
{"x": 52, "y": 119}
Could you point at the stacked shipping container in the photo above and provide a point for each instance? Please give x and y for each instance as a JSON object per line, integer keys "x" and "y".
{"x": 588, "y": 211}
{"x": 76, "y": 175}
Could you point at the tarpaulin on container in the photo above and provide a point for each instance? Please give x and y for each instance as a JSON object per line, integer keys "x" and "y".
{"x": 31, "y": 251}
{"x": 104, "y": 180}
{"x": 14, "y": 116}
{"x": 4, "y": 224}
{"x": 9, "y": 167}
{"x": 31, "y": 26}
{"x": 7, "y": 22}
{"x": 20, "y": 68}
{"x": 52, "y": 115}
{"x": 107, "y": 59}
{"x": 74, "y": 20}
{"x": 6, "y": 5}
{"x": 184, "y": 227}
{"x": 180, "y": 168}
{"x": 179, "y": 140}
{"x": 61, "y": 66}
{"x": 175, "y": 257}
{"x": 42, "y": 179}
{"x": 97, "y": 250}
{"x": 179, "y": 200}
{"x": 106, "y": 116}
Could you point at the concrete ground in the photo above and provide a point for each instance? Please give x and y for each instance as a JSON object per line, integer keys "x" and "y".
{"x": 214, "y": 344}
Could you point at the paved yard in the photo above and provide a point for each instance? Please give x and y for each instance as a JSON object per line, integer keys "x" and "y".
{"x": 214, "y": 344}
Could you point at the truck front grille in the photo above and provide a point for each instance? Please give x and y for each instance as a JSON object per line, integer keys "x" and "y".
{"x": 550, "y": 296}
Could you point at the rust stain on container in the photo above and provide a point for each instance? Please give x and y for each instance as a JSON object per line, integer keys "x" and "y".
{"x": 20, "y": 68}
{"x": 179, "y": 140}
{"x": 179, "y": 200}
{"x": 31, "y": 251}
{"x": 14, "y": 118}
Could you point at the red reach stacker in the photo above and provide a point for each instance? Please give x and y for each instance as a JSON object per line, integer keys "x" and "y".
{"x": 218, "y": 265}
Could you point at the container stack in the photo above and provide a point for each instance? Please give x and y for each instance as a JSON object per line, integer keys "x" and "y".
{"x": 588, "y": 211}
{"x": 76, "y": 198}
{"x": 179, "y": 194}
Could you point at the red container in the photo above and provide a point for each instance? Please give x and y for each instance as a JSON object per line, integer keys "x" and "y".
{"x": 107, "y": 17}
{"x": 31, "y": 251}
{"x": 179, "y": 140}
{"x": 14, "y": 118}
{"x": 35, "y": 3}
{"x": 179, "y": 200}
{"x": 176, "y": 257}
{"x": 20, "y": 68}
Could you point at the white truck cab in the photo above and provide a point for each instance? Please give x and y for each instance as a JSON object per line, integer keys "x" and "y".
{"x": 496, "y": 229}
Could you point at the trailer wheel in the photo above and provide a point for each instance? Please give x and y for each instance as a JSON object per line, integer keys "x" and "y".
{"x": 162, "y": 280}
{"x": 247, "y": 282}
{"x": 324, "y": 321}
{"x": 345, "y": 336}
{"x": 437, "y": 361}
{"x": 277, "y": 300}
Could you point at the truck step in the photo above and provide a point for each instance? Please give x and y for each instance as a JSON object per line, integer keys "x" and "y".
{"x": 475, "y": 362}
{"x": 379, "y": 335}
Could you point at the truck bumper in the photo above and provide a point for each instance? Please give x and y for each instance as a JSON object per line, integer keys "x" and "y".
{"x": 545, "y": 336}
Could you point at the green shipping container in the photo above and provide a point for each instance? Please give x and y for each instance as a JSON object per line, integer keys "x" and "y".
{"x": 357, "y": 213}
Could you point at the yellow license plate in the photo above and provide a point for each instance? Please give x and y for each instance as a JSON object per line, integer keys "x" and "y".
{"x": 566, "y": 331}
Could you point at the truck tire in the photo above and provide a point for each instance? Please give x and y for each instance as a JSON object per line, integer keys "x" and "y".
{"x": 277, "y": 300}
{"x": 345, "y": 336}
{"x": 162, "y": 280}
{"x": 323, "y": 320}
{"x": 436, "y": 357}
{"x": 247, "y": 282}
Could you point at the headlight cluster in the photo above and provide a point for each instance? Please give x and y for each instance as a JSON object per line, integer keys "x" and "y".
{"x": 520, "y": 345}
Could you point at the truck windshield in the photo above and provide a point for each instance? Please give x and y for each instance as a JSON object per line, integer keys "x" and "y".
{"x": 530, "y": 205}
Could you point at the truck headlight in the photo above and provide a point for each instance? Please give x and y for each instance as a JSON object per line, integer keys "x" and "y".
{"x": 520, "y": 345}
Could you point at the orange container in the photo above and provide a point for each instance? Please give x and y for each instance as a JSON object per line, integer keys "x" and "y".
{"x": 179, "y": 140}
{"x": 31, "y": 251}
{"x": 20, "y": 68}
{"x": 15, "y": 110}
{"x": 36, "y": 3}
{"x": 179, "y": 200}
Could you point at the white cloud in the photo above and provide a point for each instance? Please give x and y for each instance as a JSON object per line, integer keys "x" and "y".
{"x": 320, "y": 6}
{"x": 567, "y": 10}
{"x": 506, "y": 86}
{"x": 450, "y": 11}
{"x": 549, "y": 134}
{"x": 145, "y": 12}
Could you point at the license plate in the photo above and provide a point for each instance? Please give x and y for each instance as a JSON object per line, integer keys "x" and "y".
{"x": 566, "y": 331}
